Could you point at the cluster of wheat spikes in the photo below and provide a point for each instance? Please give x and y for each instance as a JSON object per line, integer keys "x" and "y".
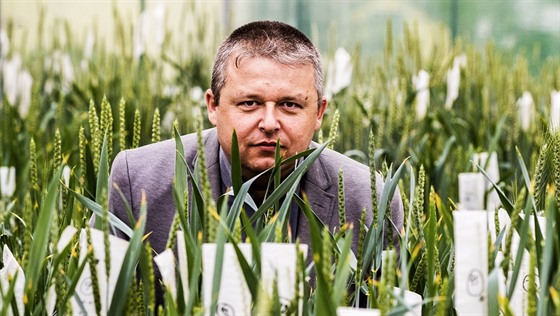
{"x": 61, "y": 150}
{"x": 426, "y": 266}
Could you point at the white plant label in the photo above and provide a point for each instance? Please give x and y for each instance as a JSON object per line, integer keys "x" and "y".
{"x": 412, "y": 300}
{"x": 422, "y": 85}
{"x": 84, "y": 289}
{"x": 183, "y": 268}
{"x": 166, "y": 264}
{"x": 519, "y": 299}
{"x": 526, "y": 107}
{"x": 234, "y": 297}
{"x": 279, "y": 263}
{"x": 471, "y": 262}
{"x": 504, "y": 221}
{"x": 504, "y": 225}
{"x": 471, "y": 191}
{"x": 492, "y": 170}
{"x": 454, "y": 79}
{"x": 7, "y": 181}
{"x": 65, "y": 238}
{"x": 339, "y": 73}
{"x": 7, "y": 273}
{"x": 541, "y": 220}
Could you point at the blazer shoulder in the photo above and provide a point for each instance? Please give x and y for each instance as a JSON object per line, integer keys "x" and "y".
{"x": 333, "y": 161}
{"x": 323, "y": 175}
{"x": 164, "y": 151}
{"x": 211, "y": 145}
{"x": 158, "y": 158}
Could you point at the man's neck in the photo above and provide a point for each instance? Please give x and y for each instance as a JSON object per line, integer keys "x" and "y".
{"x": 263, "y": 186}
{"x": 258, "y": 189}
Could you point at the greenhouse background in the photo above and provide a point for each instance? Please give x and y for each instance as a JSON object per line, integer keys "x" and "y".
{"x": 512, "y": 24}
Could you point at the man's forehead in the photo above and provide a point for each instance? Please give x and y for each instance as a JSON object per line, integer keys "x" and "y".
{"x": 237, "y": 59}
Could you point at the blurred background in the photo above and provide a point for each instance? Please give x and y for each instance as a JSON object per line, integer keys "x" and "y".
{"x": 432, "y": 86}
{"x": 64, "y": 58}
{"x": 512, "y": 25}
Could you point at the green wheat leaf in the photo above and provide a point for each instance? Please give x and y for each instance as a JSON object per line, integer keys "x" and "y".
{"x": 130, "y": 261}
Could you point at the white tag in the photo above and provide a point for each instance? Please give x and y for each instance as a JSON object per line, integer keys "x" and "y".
{"x": 412, "y": 300}
{"x": 339, "y": 73}
{"x": 542, "y": 224}
{"x": 183, "y": 264}
{"x": 540, "y": 219}
{"x": 385, "y": 255}
{"x": 471, "y": 262}
{"x": 502, "y": 287}
{"x": 166, "y": 264}
{"x": 234, "y": 297}
{"x": 422, "y": 85}
{"x": 65, "y": 238}
{"x": 505, "y": 222}
{"x": 526, "y": 110}
{"x": 454, "y": 79}
{"x": 279, "y": 262}
{"x": 471, "y": 191}
{"x": 493, "y": 172}
{"x": 84, "y": 289}
{"x": 11, "y": 267}
{"x": 7, "y": 181}
{"x": 519, "y": 300}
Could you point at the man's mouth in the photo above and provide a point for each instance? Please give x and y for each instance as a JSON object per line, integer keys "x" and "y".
{"x": 266, "y": 146}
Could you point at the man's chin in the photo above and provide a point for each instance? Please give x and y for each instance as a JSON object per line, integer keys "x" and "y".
{"x": 255, "y": 170}
{"x": 262, "y": 165}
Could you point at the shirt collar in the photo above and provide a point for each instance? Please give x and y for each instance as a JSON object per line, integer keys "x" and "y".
{"x": 225, "y": 175}
{"x": 225, "y": 170}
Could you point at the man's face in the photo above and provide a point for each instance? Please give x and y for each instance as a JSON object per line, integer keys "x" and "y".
{"x": 266, "y": 102}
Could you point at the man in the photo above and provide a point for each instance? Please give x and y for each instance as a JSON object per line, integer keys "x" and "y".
{"x": 267, "y": 85}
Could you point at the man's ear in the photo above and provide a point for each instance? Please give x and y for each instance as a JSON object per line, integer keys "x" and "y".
{"x": 321, "y": 112}
{"x": 211, "y": 107}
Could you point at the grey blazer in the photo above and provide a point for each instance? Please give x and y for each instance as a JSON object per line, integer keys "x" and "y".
{"x": 151, "y": 169}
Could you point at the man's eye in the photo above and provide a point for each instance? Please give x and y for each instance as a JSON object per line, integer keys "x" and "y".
{"x": 289, "y": 104}
{"x": 249, "y": 103}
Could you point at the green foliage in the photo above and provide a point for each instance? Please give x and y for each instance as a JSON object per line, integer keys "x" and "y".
{"x": 71, "y": 123}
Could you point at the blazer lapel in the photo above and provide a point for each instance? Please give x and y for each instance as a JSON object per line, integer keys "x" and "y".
{"x": 320, "y": 190}
{"x": 212, "y": 149}
{"x": 317, "y": 184}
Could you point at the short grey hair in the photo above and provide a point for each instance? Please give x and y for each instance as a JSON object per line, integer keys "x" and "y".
{"x": 269, "y": 39}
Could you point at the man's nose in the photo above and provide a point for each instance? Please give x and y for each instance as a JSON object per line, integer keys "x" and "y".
{"x": 269, "y": 122}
